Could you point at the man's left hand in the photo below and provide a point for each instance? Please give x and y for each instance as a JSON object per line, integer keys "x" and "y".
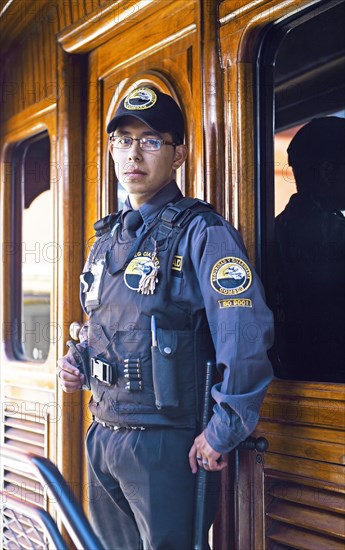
{"x": 202, "y": 455}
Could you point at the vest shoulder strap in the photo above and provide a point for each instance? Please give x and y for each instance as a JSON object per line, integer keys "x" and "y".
{"x": 105, "y": 224}
{"x": 179, "y": 214}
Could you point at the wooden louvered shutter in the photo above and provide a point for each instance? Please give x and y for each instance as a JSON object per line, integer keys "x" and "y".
{"x": 25, "y": 431}
{"x": 303, "y": 517}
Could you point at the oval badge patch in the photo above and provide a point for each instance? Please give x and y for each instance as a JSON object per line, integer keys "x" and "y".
{"x": 142, "y": 98}
{"x": 231, "y": 276}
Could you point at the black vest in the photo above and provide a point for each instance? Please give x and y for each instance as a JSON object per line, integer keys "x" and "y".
{"x": 157, "y": 384}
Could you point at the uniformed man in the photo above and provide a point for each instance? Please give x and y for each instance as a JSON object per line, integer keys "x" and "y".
{"x": 167, "y": 287}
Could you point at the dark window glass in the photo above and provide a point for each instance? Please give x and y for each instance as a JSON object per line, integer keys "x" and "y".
{"x": 34, "y": 249}
{"x": 301, "y": 228}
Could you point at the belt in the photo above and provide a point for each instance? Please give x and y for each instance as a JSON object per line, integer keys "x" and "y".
{"x": 115, "y": 427}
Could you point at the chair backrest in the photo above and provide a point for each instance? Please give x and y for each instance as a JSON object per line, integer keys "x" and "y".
{"x": 32, "y": 526}
{"x": 28, "y": 526}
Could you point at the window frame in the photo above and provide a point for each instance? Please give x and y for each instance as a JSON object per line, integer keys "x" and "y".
{"x": 264, "y": 135}
{"x": 264, "y": 127}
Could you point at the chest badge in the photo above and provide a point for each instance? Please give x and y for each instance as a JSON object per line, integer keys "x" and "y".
{"x": 141, "y": 274}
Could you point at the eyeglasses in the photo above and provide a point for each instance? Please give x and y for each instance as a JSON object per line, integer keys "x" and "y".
{"x": 146, "y": 144}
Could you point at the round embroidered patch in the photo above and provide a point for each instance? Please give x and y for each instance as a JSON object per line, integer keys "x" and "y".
{"x": 139, "y": 269}
{"x": 231, "y": 276}
{"x": 142, "y": 98}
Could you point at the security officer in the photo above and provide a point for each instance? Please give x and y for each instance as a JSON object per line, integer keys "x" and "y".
{"x": 167, "y": 287}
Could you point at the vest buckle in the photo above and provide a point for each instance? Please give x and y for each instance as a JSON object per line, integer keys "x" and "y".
{"x": 102, "y": 370}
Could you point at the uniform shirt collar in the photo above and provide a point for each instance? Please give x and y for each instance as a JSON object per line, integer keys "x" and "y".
{"x": 148, "y": 210}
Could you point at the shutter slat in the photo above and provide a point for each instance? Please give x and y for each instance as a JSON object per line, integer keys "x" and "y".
{"x": 300, "y": 516}
{"x": 309, "y": 496}
{"x": 26, "y": 433}
{"x": 292, "y": 537}
{"x": 36, "y": 427}
{"x": 316, "y": 520}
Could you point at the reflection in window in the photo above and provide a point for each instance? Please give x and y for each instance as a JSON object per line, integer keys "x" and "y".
{"x": 306, "y": 284}
{"x": 34, "y": 250}
{"x": 310, "y": 254}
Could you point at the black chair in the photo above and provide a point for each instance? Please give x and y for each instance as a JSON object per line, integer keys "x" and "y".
{"x": 29, "y": 526}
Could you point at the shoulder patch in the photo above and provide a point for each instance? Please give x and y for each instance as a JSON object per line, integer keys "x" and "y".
{"x": 231, "y": 276}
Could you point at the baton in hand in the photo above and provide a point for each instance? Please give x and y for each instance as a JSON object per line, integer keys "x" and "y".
{"x": 201, "y": 481}
{"x": 82, "y": 360}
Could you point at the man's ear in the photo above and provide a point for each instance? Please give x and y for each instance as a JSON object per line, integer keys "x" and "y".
{"x": 180, "y": 155}
{"x": 111, "y": 150}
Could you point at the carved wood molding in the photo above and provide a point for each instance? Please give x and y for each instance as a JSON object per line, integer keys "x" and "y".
{"x": 29, "y": 122}
{"x": 240, "y": 28}
{"x": 106, "y": 23}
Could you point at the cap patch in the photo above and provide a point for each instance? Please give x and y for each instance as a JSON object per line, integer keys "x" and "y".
{"x": 231, "y": 276}
{"x": 141, "y": 98}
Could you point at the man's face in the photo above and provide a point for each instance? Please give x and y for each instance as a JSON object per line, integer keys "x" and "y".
{"x": 144, "y": 173}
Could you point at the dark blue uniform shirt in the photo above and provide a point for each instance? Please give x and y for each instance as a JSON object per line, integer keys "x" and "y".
{"x": 212, "y": 272}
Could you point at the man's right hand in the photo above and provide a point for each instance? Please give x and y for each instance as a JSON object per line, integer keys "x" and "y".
{"x": 69, "y": 377}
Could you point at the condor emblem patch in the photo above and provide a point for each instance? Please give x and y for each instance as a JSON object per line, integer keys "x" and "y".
{"x": 142, "y": 98}
{"x": 231, "y": 276}
{"x": 141, "y": 272}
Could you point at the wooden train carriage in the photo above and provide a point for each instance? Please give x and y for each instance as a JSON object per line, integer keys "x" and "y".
{"x": 241, "y": 71}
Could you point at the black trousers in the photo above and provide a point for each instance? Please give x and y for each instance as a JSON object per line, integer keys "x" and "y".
{"x": 141, "y": 488}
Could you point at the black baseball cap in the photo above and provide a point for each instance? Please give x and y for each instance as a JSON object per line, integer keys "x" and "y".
{"x": 321, "y": 139}
{"x": 156, "y": 109}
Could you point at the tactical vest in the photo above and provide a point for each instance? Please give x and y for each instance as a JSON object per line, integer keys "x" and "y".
{"x": 148, "y": 352}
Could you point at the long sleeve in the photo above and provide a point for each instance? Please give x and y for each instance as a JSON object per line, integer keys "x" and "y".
{"x": 242, "y": 330}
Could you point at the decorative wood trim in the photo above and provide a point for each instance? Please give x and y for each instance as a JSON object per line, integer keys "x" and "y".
{"x": 170, "y": 26}
{"x": 139, "y": 56}
{"x": 70, "y": 127}
{"x": 109, "y": 22}
{"x": 212, "y": 104}
{"x": 30, "y": 121}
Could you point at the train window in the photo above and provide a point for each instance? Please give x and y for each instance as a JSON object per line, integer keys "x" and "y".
{"x": 33, "y": 257}
{"x": 301, "y": 230}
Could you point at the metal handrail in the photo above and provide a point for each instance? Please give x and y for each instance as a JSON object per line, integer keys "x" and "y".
{"x": 71, "y": 512}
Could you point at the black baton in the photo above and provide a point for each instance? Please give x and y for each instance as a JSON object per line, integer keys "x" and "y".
{"x": 201, "y": 481}
{"x": 82, "y": 360}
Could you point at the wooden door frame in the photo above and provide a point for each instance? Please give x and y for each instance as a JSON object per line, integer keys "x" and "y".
{"x": 71, "y": 119}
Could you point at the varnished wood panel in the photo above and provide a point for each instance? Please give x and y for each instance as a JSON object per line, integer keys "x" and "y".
{"x": 29, "y": 72}
{"x": 71, "y": 130}
{"x": 28, "y": 41}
